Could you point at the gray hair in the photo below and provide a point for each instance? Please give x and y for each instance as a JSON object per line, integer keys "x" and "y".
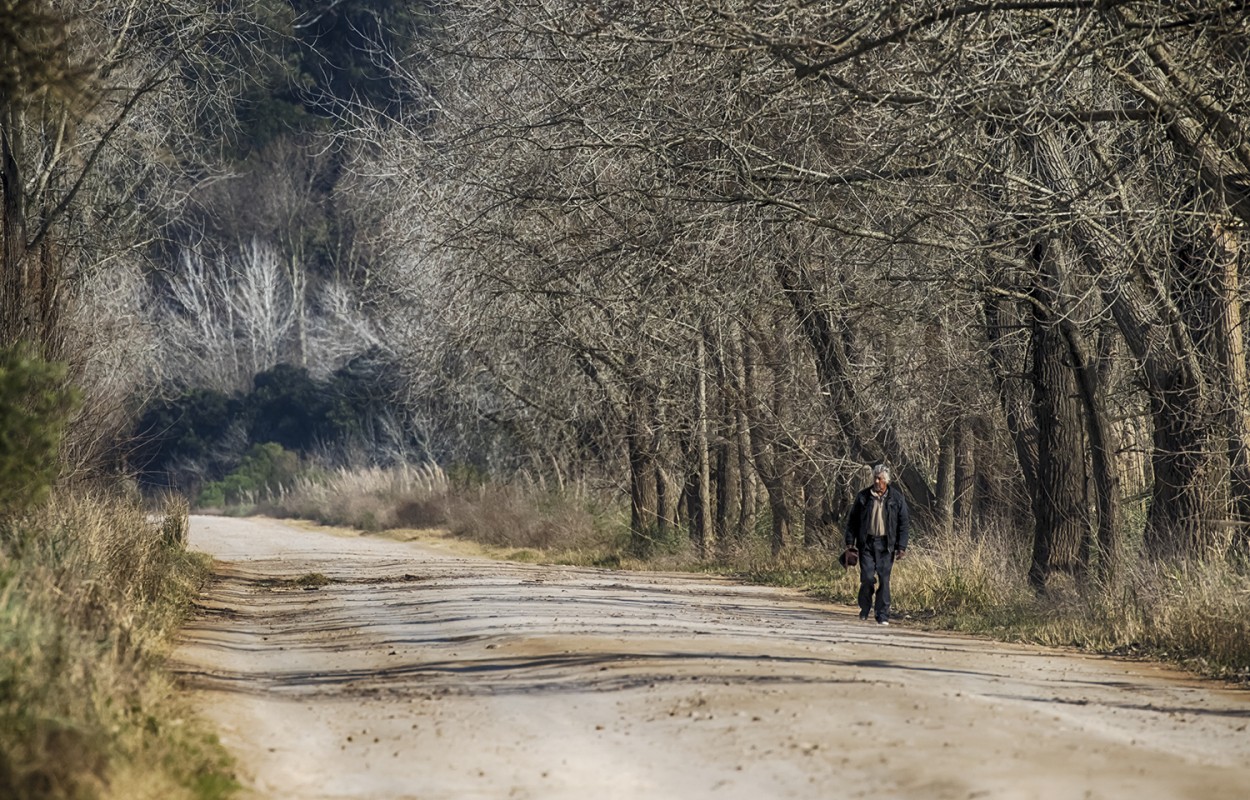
{"x": 882, "y": 470}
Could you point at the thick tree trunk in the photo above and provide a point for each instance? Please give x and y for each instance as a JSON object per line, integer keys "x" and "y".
{"x": 642, "y": 493}
{"x": 1083, "y": 380}
{"x": 14, "y": 311}
{"x": 815, "y": 504}
{"x": 47, "y": 280}
{"x": 1207, "y": 136}
{"x": 1103, "y": 452}
{"x": 735, "y": 381}
{"x": 747, "y": 493}
{"x": 779, "y": 510}
{"x": 668, "y": 493}
{"x": 725, "y": 471}
{"x": 1060, "y": 509}
{"x": 1187, "y": 494}
{"x": 725, "y": 479}
{"x": 1190, "y": 490}
{"x": 700, "y": 516}
{"x": 1236, "y": 407}
{"x": 644, "y": 500}
{"x": 769, "y": 464}
{"x": 725, "y": 475}
{"x": 1209, "y": 258}
{"x": 965, "y": 503}
{"x": 998, "y": 324}
{"x": 1199, "y": 435}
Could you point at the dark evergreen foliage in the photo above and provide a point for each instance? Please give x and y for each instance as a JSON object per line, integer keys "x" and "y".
{"x": 204, "y": 435}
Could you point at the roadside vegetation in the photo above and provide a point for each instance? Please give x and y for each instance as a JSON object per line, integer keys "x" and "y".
{"x": 715, "y": 259}
{"x": 1195, "y": 614}
{"x": 92, "y": 590}
{"x": 91, "y": 594}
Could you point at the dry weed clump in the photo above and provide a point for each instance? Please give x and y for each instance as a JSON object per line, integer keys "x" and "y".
{"x": 91, "y": 591}
{"x": 518, "y": 517}
{"x": 960, "y": 572}
{"x": 1195, "y": 612}
{"x": 525, "y": 517}
{"x": 374, "y": 498}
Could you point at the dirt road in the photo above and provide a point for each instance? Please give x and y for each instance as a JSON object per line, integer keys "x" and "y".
{"x": 416, "y": 673}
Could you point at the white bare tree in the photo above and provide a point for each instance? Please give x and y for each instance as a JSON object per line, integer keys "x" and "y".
{"x": 224, "y": 320}
{"x": 100, "y": 106}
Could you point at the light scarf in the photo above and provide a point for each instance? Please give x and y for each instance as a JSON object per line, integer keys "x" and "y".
{"x": 878, "y": 513}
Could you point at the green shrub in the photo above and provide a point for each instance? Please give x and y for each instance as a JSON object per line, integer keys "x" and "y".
{"x": 35, "y": 404}
{"x": 212, "y": 496}
{"x": 264, "y": 471}
{"x": 173, "y": 435}
{"x": 203, "y": 433}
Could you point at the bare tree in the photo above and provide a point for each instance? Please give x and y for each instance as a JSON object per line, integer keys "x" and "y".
{"x": 99, "y": 106}
{"x": 957, "y": 230}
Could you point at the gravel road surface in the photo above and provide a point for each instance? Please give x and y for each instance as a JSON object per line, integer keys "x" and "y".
{"x": 419, "y": 673}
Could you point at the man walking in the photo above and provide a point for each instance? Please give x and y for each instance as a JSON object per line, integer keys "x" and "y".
{"x": 877, "y": 530}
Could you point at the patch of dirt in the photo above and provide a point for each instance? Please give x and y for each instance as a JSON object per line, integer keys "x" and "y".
{"x": 416, "y": 671}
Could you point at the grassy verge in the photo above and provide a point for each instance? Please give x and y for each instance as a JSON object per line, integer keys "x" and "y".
{"x": 91, "y": 594}
{"x": 1194, "y": 614}
{"x": 371, "y": 499}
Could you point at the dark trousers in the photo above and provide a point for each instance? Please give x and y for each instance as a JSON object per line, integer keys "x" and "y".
{"x": 875, "y": 561}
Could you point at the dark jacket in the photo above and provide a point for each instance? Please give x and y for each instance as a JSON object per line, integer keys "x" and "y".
{"x": 897, "y": 520}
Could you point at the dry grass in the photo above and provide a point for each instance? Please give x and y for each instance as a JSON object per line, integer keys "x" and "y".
{"x": 517, "y": 519}
{"x": 961, "y": 573}
{"x": 371, "y": 499}
{"x": 509, "y": 516}
{"x": 1195, "y": 614}
{"x": 91, "y": 592}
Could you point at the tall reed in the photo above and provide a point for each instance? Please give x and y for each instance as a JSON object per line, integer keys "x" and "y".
{"x": 372, "y": 498}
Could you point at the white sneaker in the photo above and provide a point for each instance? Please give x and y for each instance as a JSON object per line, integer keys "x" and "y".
{"x": 883, "y": 622}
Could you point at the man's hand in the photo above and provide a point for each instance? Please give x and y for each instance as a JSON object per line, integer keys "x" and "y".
{"x": 898, "y": 554}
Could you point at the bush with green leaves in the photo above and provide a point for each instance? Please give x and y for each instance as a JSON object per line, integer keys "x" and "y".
{"x": 189, "y": 430}
{"x": 35, "y": 404}
{"x": 263, "y": 472}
